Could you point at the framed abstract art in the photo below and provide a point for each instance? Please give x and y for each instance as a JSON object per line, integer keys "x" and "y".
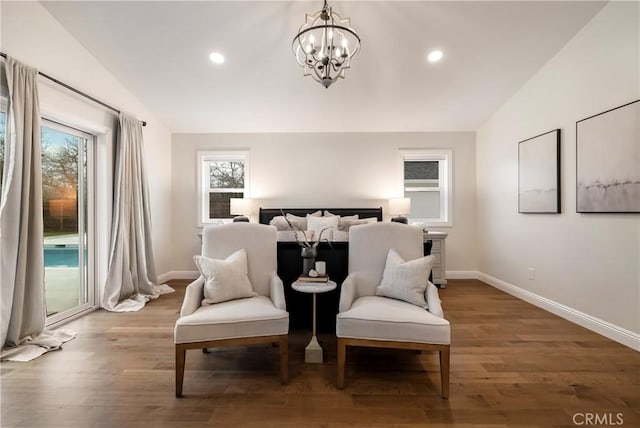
{"x": 539, "y": 174}
{"x": 608, "y": 161}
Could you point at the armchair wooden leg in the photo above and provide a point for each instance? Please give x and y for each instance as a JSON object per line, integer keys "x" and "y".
{"x": 444, "y": 371}
{"x": 342, "y": 355}
{"x": 180, "y": 358}
{"x": 284, "y": 359}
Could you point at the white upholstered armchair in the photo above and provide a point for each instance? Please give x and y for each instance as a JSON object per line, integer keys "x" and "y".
{"x": 250, "y": 312}
{"x": 370, "y": 320}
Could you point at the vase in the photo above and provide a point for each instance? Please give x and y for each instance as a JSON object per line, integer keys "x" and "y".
{"x": 308, "y": 260}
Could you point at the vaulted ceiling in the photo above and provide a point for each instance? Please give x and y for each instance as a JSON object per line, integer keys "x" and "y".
{"x": 160, "y": 51}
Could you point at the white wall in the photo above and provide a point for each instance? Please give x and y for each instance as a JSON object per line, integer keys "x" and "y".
{"x": 31, "y": 35}
{"x": 588, "y": 262}
{"x": 325, "y": 170}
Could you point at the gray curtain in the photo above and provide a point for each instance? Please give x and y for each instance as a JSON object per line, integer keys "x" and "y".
{"x": 23, "y": 312}
{"x": 132, "y": 279}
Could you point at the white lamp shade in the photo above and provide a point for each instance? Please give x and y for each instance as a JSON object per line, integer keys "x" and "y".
{"x": 240, "y": 206}
{"x": 400, "y": 206}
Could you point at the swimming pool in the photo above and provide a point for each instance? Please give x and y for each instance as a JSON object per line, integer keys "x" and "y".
{"x": 62, "y": 255}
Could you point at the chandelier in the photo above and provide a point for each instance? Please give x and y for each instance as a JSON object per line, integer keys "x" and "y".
{"x": 324, "y": 45}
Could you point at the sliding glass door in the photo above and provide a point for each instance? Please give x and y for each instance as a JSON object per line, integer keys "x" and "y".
{"x": 67, "y": 194}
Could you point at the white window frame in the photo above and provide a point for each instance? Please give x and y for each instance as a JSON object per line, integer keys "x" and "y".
{"x": 445, "y": 163}
{"x": 204, "y": 181}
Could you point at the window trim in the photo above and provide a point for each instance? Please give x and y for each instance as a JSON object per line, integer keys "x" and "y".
{"x": 203, "y": 186}
{"x": 446, "y": 182}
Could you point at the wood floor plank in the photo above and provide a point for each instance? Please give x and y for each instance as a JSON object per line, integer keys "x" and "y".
{"x": 512, "y": 365}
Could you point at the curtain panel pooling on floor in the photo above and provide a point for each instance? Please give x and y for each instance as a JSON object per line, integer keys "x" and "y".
{"x": 23, "y": 313}
{"x": 132, "y": 278}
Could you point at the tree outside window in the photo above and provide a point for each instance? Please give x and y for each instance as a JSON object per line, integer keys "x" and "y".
{"x": 226, "y": 181}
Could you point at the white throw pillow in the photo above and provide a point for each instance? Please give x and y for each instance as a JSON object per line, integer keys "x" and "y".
{"x": 300, "y": 223}
{"x": 405, "y": 281}
{"x": 345, "y": 225}
{"x": 317, "y": 224}
{"x": 344, "y": 217}
{"x": 280, "y": 223}
{"x": 225, "y": 279}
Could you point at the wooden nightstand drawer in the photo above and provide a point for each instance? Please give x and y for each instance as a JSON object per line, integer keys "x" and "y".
{"x": 437, "y": 245}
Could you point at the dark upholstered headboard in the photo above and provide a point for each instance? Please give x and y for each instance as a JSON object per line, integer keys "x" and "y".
{"x": 266, "y": 214}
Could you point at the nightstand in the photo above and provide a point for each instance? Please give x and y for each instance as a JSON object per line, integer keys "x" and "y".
{"x": 439, "y": 267}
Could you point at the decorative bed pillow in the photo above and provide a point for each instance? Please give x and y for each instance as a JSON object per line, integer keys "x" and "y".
{"x": 300, "y": 223}
{"x": 405, "y": 281}
{"x": 345, "y": 224}
{"x": 344, "y": 217}
{"x": 280, "y": 223}
{"x": 370, "y": 219}
{"x": 225, "y": 279}
{"x": 317, "y": 224}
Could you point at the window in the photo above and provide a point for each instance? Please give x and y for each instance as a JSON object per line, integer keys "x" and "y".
{"x": 426, "y": 180}
{"x": 222, "y": 175}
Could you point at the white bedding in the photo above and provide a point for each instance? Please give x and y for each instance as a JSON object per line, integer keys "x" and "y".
{"x": 333, "y": 234}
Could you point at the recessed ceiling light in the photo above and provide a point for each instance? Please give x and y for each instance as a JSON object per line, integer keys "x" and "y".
{"x": 216, "y": 57}
{"x": 435, "y": 56}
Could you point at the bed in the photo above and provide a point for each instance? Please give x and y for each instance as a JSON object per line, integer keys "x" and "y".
{"x": 336, "y": 255}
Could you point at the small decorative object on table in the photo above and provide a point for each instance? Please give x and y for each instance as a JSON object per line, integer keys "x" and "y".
{"x": 309, "y": 255}
{"x": 313, "y": 277}
{"x": 309, "y": 248}
{"x": 321, "y": 268}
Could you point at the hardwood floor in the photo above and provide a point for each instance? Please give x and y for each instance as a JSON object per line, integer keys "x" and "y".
{"x": 512, "y": 364}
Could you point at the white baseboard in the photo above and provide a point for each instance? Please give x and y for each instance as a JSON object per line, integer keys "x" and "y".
{"x": 178, "y": 274}
{"x": 613, "y": 332}
{"x": 462, "y": 274}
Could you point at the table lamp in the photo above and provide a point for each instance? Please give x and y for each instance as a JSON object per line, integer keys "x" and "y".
{"x": 400, "y": 207}
{"x": 240, "y": 207}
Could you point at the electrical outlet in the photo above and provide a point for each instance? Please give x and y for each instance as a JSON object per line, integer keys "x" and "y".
{"x": 531, "y": 273}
